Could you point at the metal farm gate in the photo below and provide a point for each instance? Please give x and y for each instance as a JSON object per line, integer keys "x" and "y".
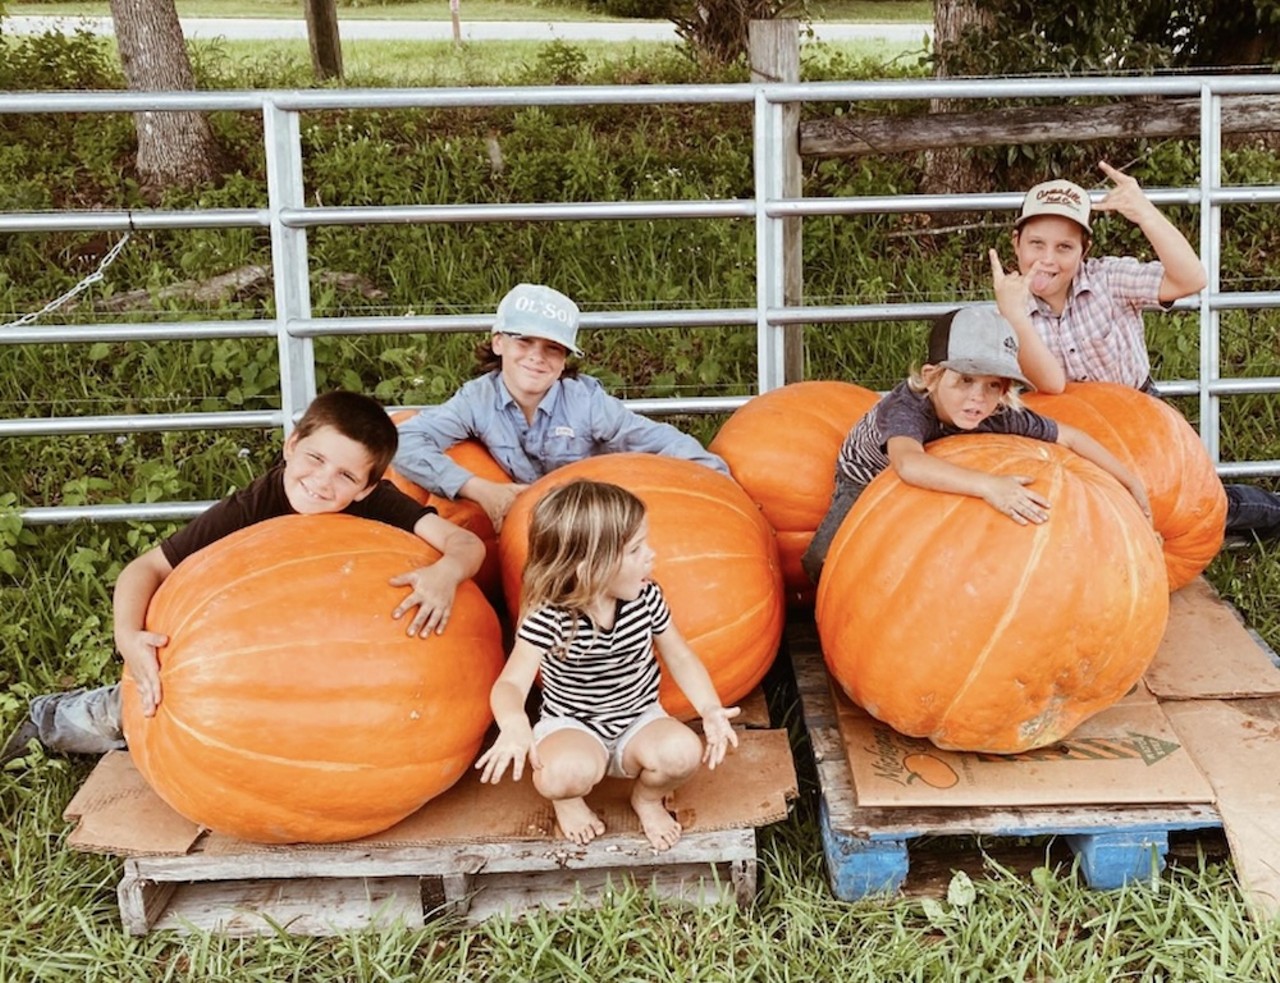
{"x": 288, "y": 217}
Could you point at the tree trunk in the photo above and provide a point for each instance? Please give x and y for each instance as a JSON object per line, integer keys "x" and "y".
{"x": 951, "y": 169}
{"x": 174, "y": 148}
{"x": 322, "y": 33}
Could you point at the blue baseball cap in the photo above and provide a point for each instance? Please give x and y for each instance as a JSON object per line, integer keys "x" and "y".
{"x": 532, "y": 310}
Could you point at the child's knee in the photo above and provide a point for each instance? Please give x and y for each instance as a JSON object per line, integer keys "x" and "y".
{"x": 567, "y": 776}
{"x": 676, "y": 755}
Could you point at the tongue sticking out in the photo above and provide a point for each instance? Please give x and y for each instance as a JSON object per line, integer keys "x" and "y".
{"x": 1040, "y": 282}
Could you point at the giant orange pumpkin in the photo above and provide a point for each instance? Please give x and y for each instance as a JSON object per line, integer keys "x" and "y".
{"x": 294, "y": 709}
{"x": 1152, "y": 439}
{"x": 781, "y": 446}
{"x": 717, "y": 563}
{"x": 947, "y": 620}
{"x": 475, "y": 457}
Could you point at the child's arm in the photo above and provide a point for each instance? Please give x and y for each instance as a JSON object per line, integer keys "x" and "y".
{"x": 136, "y": 585}
{"x": 515, "y": 736}
{"x": 691, "y": 676}
{"x": 435, "y": 585}
{"x": 495, "y": 497}
{"x": 1013, "y": 295}
{"x": 1091, "y": 450}
{"x": 1005, "y": 494}
{"x": 1183, "y": 271}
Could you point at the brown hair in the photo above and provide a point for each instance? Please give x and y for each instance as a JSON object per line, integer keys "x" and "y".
{"x": 487, "y": 360}
{"x": 577, "y": 535}
{"x": 359, "y": 418}
{"x": 1086, "y": 237}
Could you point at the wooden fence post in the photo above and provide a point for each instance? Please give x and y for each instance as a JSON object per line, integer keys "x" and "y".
{"x": 774, "y": 51}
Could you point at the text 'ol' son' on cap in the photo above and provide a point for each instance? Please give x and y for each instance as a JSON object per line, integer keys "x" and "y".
{"x": 1056, "y": 198}
{"x": 536, "y": 311}
{"x": 976, "y": 341}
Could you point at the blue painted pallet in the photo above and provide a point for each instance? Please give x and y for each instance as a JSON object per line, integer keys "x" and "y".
{"x": 866, "y": 848}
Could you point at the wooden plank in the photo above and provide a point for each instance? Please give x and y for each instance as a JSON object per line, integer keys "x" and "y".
{"x": 858, "y": 134}
{"x": 165, "y": 898}
{"x": 514, "y": 894}
{"x": 349, "y": 860}
{"x": 306, "y": 906}
{"x": 141, "y": 901}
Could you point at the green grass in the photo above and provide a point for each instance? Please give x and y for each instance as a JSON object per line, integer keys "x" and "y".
{"x": 856, "y": 11}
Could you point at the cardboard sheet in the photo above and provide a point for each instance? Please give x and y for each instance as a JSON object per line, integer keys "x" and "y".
{"x": 1237, "y": 744}
{"x": 1126, "y": 754}
{"x": 1207, "y": 653}
{"x": 117, "y": 812}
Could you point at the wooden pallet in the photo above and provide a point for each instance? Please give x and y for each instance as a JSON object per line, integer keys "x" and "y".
{"x": 315, "y": 890}
{"x": 866, "y": 848}
{"x": 473, "y": 853}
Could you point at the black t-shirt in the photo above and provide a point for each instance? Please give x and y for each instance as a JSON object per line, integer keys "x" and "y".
{"x": 264, "y": 498}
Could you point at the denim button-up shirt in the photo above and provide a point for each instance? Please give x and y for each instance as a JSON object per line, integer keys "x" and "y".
{"x": 575, "y": 419}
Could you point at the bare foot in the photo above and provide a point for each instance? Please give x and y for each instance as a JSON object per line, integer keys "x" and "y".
{"x": 577, "y": 821}
{"x": 659, "y": 825}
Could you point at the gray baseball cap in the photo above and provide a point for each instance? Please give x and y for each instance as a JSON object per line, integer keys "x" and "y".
{"x": 979, "y": 341}
{"x": 536, "y": 311}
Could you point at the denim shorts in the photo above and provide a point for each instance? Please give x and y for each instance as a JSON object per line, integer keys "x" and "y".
{"x": 615, "y": 748}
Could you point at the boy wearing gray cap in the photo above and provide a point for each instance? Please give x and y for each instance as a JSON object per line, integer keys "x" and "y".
{"x": 531, "y": 411}
{"x": 1086, "y": 313}
{"x": 968, "y": 385}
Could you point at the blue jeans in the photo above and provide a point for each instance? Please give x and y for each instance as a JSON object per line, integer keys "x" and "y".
{"x": 842, "y": 500}
{"x": 80, "y": 721}
{"x": 1252, "y": 511}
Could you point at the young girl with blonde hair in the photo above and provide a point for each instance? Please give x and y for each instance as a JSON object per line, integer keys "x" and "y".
{"x": 590, "y": 618}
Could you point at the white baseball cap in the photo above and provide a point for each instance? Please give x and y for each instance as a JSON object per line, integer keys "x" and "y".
{"x": 532, "y": 310}
{"x": 1056, "y": 198}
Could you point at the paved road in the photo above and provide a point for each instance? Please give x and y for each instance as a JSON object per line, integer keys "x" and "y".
{"x": 406, "y": 30}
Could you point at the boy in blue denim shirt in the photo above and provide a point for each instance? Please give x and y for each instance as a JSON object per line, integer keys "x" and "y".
{"x": 532, "y": 412}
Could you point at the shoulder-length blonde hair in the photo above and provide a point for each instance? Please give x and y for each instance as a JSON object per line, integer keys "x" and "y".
{"x": 577, "y": 535}
{"x": 926, "y": 378}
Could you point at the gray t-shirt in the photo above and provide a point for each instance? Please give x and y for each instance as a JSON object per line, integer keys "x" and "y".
{"x": 905, "y": 413}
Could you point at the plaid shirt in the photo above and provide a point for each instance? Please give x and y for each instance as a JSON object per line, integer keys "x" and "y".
{"x": 1099, "y": 335}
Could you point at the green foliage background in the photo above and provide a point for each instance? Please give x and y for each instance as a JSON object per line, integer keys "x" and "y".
{"x": 55, "y": 581}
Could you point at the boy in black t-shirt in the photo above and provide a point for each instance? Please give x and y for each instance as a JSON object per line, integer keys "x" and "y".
{"x": 333, "y": 461}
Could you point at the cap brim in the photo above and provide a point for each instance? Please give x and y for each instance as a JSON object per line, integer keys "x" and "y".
{"x": 546, "y": 336}
{"x": 978, "y": 366}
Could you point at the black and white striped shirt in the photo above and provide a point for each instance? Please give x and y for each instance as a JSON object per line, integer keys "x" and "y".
{"x": 605, "y": 679}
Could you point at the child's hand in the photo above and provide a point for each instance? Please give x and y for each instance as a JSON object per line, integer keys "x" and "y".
{"x": 495, "y": 498}
{"x": 1127, "y": 197}
{"x": 139, "y": 651}
{"x": 1013, "y": 290}
{"x": 1139, "y": 493}
{"x": 514, "y": 744}
{"x": 1008, "y": 496}
{"x": 433, "y": 593}
{"x": 719, "y": 733}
